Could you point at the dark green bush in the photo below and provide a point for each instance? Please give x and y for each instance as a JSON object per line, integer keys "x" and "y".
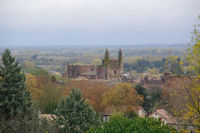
{"x": 136, "y": 125}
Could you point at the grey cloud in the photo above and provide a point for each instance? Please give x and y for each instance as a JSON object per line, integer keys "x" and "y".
{"x": 101, "y": 16}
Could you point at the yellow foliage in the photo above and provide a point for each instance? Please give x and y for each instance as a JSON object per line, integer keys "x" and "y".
{"x": 193, "y": 59}
{"x": 32, "y": 86}
{"x": 193, "y": 105}
{"x": 193, "y": 52}
{"x": 92, "y": 91}
{"x": 188, "y": 131}
{"x": 122, "y": 97}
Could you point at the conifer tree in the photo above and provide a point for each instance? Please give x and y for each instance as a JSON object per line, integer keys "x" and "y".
{"x": 14, "y": 99}
{"x": 74, "y": 115}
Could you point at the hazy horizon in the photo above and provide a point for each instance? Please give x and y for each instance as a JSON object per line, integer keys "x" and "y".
{"x": 96, "y": 22}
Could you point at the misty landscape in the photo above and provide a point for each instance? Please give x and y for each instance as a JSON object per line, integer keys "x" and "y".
{"x": 91, "y": 66}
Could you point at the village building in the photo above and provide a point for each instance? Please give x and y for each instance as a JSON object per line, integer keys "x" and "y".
{"x": 109, "y": 69}
{"x": 109, "y": 111}
{"x": 141, "y": 112}
{"x": 163, "y": 115}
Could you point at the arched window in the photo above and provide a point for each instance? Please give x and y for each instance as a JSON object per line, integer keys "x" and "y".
{"x": 115, "y": 72}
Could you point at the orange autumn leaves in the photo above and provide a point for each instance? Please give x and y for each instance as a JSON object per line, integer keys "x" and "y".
{"x": 44, "y": 93}
{"x": 122, "y": 97}
{"x": 96, "y": 93}
{"x": 92, "y": 91}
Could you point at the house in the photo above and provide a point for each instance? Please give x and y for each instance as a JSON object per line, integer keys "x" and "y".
{"x": 105, "y": 117}
{"x": 162, "y": 115}
{"x": 109, "y": 111}
{"x": 141, "y": 112}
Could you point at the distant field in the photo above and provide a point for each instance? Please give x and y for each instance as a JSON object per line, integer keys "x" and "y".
{"x": 57, "y": 57}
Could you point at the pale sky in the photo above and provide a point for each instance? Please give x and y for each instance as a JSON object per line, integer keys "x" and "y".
{"x": 96, "y": 22}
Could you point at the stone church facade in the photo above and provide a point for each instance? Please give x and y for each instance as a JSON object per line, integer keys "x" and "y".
{"x": 109, "y": 69}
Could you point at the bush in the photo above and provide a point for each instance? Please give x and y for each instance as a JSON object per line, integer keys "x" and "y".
{"x": 116, "y": 116}
{"x": 136, "y": 125}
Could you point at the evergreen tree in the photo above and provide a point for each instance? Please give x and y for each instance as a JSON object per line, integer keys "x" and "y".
{"x": 74, "y": 115}
{"x": 14, "y": 99}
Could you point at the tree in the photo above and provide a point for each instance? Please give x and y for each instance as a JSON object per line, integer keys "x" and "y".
{"x": 183, "y": 91}
{"x": 131, "y": 114}
{"x": 16, "y": 111}
{"x": 122, "y": 97}
{"x": 15, "y": 100}
{"x": 136, "y": 125}
{"x": 92, "y": 91}
{"x": 175, "y": 63}
{"x": 193, "y": 52}
{"x": 49, "y": 98}
{"x": 116, "y": 116}
{"x": 50, "y": 93}
{"x": 94, "y": 96}
{"x": 193, "y": 59}
{"x": 141, "y": 65}
{"x": 151, "y": 100}
{"x": 32, "y": 86}
{"x": 75, "y": 115}
{"x": 193, "y": 103}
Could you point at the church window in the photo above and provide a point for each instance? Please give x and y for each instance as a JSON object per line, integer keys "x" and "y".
{"x": 115, "y": 72}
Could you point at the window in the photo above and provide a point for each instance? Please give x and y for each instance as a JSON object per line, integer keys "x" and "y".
{"x": 115, "y": 72}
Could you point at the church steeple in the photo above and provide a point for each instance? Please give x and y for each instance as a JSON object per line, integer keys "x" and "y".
{"x": 106, "y": 58}
{"x": 120, "y": 57}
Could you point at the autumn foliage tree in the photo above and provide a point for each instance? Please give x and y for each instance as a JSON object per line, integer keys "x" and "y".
{"x": 50, "y": 95}
{"x": 92, "y": 91}
{"x": 193, "y": 59}
{"x": 183, "y": 91}
{"x": 175, "y": 95}
{"x": 32, "y": 86}
{"x": 44, "y": 93}
{"x": 122, "y": 97}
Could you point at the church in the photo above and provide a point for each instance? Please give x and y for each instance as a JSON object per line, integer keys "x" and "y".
{"x": 110, "y": 69}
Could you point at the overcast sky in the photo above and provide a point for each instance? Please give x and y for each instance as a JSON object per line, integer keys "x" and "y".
{"x": 96, "y": 22}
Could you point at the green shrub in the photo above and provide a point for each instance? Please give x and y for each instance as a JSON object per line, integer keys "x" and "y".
{"x": 116, "y": 115}
{"x": 136, "y": 125}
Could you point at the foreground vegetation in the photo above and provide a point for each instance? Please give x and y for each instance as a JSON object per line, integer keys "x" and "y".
{"x": 135, "y": 125}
